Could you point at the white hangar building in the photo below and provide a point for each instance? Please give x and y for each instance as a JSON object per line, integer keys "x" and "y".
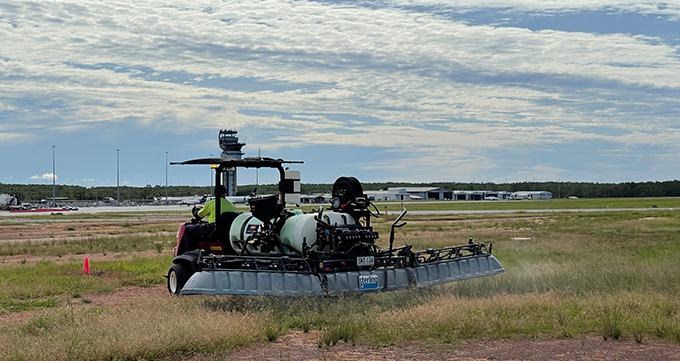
{"x": 410, "y": 193}
{"x": 531, "y": 195}
{"x": 480, "y": 195}
{"x": 392, "y": 194}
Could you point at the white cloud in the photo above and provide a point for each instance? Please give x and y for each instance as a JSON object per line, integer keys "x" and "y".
{"x": 403, "y": 80}
{"x": 13, "y": 138}
{"x": 671, "y": 8}
{"x": 45, "y": 176}
{"x": 4, "y": 107}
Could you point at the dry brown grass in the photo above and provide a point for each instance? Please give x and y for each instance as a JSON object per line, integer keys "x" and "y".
{"x": 143, "y": 330}
{"x": 546, "y": 315}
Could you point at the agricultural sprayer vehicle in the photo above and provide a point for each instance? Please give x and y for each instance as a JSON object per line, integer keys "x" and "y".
{"x": 272, "y": 250}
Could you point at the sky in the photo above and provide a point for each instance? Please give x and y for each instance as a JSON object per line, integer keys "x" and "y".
{"x": 383, "y": 90}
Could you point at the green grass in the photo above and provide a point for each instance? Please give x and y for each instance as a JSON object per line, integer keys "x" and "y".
{"x": 14, "y": 305}
{"x": 22, "y": 283}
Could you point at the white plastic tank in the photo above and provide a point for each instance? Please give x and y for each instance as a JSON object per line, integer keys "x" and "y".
{"x": 243, "y": 228}
{"x": 295, "y": 232}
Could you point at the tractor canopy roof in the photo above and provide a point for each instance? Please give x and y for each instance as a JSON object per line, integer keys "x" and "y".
{"x": 248, "y": 162}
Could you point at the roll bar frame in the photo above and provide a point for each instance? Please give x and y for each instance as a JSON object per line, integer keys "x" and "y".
{"x": 249, "y": 162}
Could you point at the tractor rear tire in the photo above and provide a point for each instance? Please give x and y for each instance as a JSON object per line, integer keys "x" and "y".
{"x": 178, "y": 275}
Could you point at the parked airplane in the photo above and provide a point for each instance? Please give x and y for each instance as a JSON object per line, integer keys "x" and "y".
{"x": 243, "y": 199}
{"x": 189, "y": 202}
{"x": 234, "y": 199}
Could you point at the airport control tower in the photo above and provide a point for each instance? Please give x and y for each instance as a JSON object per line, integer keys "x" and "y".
{"x": 231, "y": 148}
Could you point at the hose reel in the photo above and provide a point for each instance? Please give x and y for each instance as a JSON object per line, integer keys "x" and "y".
{"x": 346, "y": 190}
{"x": 348, "y": 196}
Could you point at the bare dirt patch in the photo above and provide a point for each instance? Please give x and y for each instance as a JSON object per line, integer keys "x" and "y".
{"x": 303, "y": 346}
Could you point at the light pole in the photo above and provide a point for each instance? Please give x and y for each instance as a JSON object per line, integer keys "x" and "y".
{"x": 118, "y": 174}
{"x": 166, "y": 177}
{"x": 211, "y": 175}
{"x": 54, "y": 179}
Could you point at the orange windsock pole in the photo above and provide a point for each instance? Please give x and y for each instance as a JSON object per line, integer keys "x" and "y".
{"x": 86, "y": 266}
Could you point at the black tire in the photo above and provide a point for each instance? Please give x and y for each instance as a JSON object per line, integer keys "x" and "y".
{"x": 178, "y": 275}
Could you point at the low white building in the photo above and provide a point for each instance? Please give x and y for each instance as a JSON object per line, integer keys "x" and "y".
{"x": 436, "y": 193}
{"x": 410, "y": 193}
{"x": 480, "y": 195}
{"x": 468, "y": 195}
{"x": 531, "y": 195}
{"x": 392, "y": 194}
{"x": 315, "y": 198}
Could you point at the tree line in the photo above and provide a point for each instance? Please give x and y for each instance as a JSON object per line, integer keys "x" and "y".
{"x": 558, "y": 189}
{"x": 37, "y": 192}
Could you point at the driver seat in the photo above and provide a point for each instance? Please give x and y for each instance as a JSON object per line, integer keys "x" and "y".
{"x": 218, "y": 243}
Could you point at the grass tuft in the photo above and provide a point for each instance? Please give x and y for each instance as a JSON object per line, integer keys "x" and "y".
{"x": 42, "y": 325}
{"x": 344, "y": 330}
{"x": 610, "y": 323}
{"x": 303, "y": 323}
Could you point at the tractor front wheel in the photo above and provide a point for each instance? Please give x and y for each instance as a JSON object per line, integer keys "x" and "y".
{"x": 178, "y": 275}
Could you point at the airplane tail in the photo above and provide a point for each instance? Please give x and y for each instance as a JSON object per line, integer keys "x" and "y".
{"x": 254, "y": 192}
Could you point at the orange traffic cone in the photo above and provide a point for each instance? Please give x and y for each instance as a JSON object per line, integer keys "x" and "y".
{"x": 86, "y": 267}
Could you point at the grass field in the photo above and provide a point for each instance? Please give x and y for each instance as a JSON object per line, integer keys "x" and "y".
{"x": 611, "y": 274}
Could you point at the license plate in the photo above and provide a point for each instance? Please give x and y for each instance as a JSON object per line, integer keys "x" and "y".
{"x": 365, "y": 261}
{"x": 368, "y": 282}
